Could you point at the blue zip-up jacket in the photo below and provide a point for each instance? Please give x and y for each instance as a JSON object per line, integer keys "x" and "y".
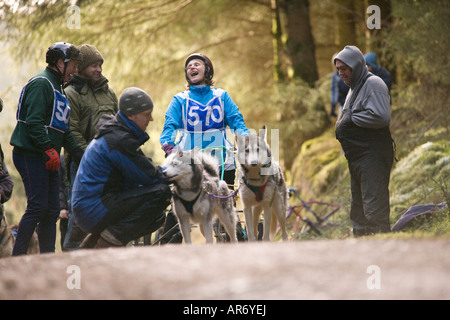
{"x": 202, "y": 94}
{"x": 113, "y": 162}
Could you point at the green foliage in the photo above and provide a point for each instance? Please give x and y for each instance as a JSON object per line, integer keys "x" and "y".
{"x": 318, "y": 167}
{"x": 420, "y": 38}
{"x": 419, "y": 42}
{"x": 421, "y": 176}
{"x": 300, "y": 114}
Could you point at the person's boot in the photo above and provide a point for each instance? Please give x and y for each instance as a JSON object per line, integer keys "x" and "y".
{"x": 90, "y": 241}
{"x": 102, "y": 243}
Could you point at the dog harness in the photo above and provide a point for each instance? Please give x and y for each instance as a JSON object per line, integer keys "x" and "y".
{"x": 257, "y": 190}
{"x": 189, "y": 205}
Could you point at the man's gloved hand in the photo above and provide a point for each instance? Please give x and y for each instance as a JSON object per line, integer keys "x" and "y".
{"x": 51, "y": 158}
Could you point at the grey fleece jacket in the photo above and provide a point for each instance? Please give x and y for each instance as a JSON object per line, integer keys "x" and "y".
{"x": 372, "y": 106}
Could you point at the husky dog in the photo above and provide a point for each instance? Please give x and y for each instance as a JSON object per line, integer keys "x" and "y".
{"x": 261, "y": 186}
{"x": 199, "y": 195}
{"x": 6, "y": 239}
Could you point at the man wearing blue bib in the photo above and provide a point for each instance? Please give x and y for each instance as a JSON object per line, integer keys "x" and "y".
{"x": 42, "y": 130}
{"x": 200, "y": 116}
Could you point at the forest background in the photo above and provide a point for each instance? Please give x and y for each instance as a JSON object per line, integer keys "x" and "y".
{"x": 274, "y": 59}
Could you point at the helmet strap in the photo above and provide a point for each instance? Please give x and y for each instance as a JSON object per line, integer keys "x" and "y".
{"x": 205, "y": 76}
{"x": 61, "y": 74}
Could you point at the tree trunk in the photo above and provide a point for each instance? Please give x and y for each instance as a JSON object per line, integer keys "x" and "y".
{"x": 279, "y": 61}
{"x": 345, "y": 21}
{"x": 300, "y": 42}
{"x": 293, "y": 44}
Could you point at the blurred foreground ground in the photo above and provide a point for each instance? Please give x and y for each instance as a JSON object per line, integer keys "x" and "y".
{"x": 325, "y": 269}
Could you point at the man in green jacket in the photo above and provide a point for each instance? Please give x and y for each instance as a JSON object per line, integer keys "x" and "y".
{"x": 90, "y": 97}
{"x": 42, "y": 130}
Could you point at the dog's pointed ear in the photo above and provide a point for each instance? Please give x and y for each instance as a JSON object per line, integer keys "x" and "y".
{"x": 240, "y": 141}
{"x": 180, "y": 151}
{"x": 237, "y": 138}
{"x": 263, "y": 133}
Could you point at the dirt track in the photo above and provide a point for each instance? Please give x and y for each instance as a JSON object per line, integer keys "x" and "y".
{"x": 347, "y": 269}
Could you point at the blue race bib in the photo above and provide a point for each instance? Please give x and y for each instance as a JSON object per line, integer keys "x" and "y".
{"x": 201, "y": 118}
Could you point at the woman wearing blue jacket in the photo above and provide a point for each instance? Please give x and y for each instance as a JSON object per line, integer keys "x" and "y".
{"x": 200, "y": 115}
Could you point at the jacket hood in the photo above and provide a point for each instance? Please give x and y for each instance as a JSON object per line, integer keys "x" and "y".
{"x": 371, "y": 59}
{"x": 354, "y": 58}
{"x": 79, "y": 82}
{"x": 109, "y": 123}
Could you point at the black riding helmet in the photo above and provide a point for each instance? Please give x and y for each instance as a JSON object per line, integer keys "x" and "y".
{"x": 62, "y": 50}
{"x": 209, "y": 70}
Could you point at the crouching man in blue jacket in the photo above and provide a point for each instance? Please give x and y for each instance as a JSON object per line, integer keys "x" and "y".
{"x": 119, "y": 194}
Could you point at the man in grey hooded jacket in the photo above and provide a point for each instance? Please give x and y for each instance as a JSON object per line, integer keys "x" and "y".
{"x": 363, "y": 131}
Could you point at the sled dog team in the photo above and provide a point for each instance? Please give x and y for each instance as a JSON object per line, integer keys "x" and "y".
{"x": 199, "y": 195}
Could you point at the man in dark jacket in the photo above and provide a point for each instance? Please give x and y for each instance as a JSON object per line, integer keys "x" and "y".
{"x": 119, "y": 194}
{"x": 363, "y": 131}
{"x": 376, "y": 69}
{"x": 90, "y": 97}
{"x": 42, "y": 129}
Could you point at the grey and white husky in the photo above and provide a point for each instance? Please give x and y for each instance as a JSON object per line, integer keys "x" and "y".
{"x": 261, "y": 186}
{"x": 199, "y": 194}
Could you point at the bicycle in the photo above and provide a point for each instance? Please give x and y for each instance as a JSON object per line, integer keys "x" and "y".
{"x": 308, "y": 224}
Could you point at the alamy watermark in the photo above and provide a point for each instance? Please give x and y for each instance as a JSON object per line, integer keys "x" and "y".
{"x": 74, "y": 280}
{"x": 374, "y": 280}
{"x": 374, "y": 20}
{"x": 74, "y": 21}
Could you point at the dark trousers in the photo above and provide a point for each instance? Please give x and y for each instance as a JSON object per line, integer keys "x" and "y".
{"x": 74, "y": 235}
{"x": 135, "y": 213}
{"x": 41, "y": 214}
{"x": 370, "y": 175}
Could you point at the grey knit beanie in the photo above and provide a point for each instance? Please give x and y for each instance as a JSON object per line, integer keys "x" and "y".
{"x": 134, "y": 100}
